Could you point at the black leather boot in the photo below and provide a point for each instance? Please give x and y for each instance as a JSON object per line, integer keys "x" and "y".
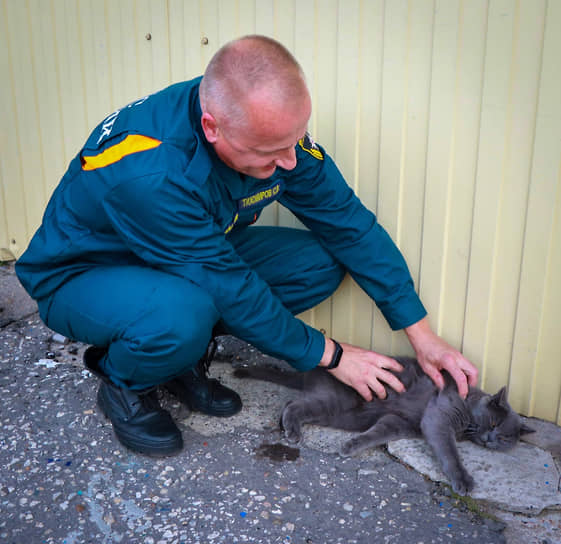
{"x": 138, "y": 420}
{"x": 202, "y": 394}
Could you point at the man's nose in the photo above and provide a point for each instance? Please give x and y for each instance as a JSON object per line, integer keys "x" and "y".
{"x": 287, "y": 159}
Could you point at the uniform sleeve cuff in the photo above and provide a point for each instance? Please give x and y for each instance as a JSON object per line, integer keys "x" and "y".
{"x": 316, "y": 347}
{"x": 409, "y": 313}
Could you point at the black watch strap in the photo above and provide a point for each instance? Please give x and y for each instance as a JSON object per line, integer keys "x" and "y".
{"x": 337, "y": 354}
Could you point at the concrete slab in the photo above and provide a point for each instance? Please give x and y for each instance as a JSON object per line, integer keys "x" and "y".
{"x": 262, "y": 405}
{"x": 523, "y": 480}
{"x": 546, "y": 437}
{"x": 522, "y": 529}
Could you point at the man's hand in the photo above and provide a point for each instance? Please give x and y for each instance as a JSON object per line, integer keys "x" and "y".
{"x": 435, "y": 355}
{"x": 365, "y": 371}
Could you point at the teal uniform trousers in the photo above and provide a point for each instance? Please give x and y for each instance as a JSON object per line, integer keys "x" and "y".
{"x": 157, "y": 325}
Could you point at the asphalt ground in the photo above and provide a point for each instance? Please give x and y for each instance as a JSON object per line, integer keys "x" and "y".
{"x": 66, "y": 479}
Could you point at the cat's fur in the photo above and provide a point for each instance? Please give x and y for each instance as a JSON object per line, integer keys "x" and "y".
{"x": 441, "y": 417}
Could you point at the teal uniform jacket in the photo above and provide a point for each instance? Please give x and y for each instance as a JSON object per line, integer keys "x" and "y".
{"x": 148, "y": 189}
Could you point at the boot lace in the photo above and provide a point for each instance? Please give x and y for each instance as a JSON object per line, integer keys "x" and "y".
{"x": 148, "y": 399}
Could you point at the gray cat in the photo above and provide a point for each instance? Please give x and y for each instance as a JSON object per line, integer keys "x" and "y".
{"x": 441, "y": 417}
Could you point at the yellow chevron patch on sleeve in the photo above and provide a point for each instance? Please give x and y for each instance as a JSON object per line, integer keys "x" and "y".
{"x": 133, "y": 143}
{"x": 308, "y": 145}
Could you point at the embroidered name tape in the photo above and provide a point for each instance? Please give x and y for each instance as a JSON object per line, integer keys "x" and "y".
{"x": 259, "y": 198}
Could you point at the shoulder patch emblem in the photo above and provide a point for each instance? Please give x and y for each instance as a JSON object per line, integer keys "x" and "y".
{"x": 308, "y": 144}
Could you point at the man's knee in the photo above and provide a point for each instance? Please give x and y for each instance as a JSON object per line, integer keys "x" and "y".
{"x": 167, "y": 342}
{"x": 328, "y": 273}
{"x": 310, "y": 276}
{"x": 299, "y": 269}
{"x": 321, "y": 281}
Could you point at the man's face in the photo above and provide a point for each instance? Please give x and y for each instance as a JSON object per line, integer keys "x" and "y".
{"x": 268, "y": 140}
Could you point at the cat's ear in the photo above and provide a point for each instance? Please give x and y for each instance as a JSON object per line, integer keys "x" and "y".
{"x": 500, "y": 398}
{"x": 524, "y": 429}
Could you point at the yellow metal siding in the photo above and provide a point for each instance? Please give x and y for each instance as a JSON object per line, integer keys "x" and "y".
{"x": 443, "y": 115}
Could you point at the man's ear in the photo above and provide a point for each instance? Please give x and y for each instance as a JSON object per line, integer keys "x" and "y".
{"x": 210, "y": 127}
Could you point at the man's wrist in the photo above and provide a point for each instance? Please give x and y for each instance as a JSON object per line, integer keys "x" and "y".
{"x": 337, "y": 354}
{"x": 418, "y": 330}
{"x": 328, "y": 352}
{"x": 331, "y": 355}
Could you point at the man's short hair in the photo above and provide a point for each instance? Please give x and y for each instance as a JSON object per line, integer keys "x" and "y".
{"x": 244, "y": 66}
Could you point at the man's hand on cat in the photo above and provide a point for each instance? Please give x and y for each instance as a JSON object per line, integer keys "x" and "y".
{"x": 367, "y": 371}
{"x": 435, "y": 355}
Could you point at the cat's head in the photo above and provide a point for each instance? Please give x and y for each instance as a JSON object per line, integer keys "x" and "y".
{"x": 495, "y": 425}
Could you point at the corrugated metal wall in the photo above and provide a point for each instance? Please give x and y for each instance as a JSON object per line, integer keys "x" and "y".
{"x": 444, "y": 115}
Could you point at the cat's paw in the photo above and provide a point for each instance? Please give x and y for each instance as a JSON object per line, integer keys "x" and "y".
{"x": 291, "y": 428}
{"x": 463, "y": 485}
{"x": 350, "y": 448}
{"x": 293, "y": 437}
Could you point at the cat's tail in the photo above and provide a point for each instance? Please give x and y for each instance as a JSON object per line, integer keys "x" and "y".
{"x": 294, "y": 380}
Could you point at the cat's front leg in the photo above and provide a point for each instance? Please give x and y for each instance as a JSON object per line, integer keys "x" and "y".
{"x": 444, "y": 446}
{"x": 313, "y": 409}
{"x": 462, "y": 483}
{"x": 439, "y": 432}
{"x": 292, "y": 417}
{"x": 387, "y": 428}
